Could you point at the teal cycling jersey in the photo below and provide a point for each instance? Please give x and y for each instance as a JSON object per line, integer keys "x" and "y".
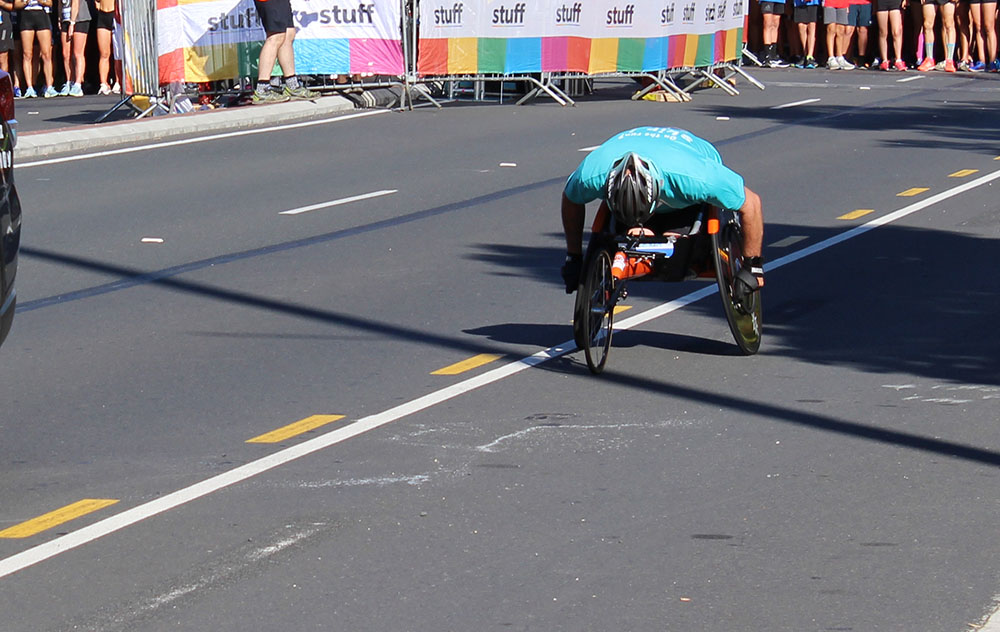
{"x": 690, "y": 169}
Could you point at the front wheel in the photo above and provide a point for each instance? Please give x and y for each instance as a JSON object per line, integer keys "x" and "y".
{"x": 743, "y": 314}
{"x": 596, "y": 311}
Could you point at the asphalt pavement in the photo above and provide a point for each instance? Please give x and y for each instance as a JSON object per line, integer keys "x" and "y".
{"x": 49, "y": 128}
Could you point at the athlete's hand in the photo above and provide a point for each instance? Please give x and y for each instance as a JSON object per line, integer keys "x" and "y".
{"x": 571, "y": 270}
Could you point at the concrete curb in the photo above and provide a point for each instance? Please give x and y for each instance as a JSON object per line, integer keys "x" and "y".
{"x": 39, "y": 145}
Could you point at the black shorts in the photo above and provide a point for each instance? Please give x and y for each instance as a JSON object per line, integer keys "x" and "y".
{"x": 808, "y": 14}
{"x": 888, "y": 5}
{"x": 81, "y": 27}
{"x": 772, "y": 8}
{"x": 35, "y": 20}
{"x": 6, "y": 31}
{"x": 276, "y": 15}
{"x": 105, "y": 20}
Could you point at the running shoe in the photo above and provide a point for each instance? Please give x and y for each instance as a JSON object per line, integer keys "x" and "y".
{"x": 926, "y": 65}
{"x": 884, "y": 65}
{"x": 76, "y": 90}
{"x": 810, "y": 63}
{"x": 995, "y": 65}
{"x": 105, "y": 89}
{"x": 64, "y": 91}
{"x": 900, "y": 65}
{"x": 302, "y": 93}
{"x": 30, "y": 93}
{"x": 268, "y": 97}
{"x": 116, "y": 88}
{"x": 844, "y": 64}
{"x": 832, "y": 63}
{"x": 17, "y": 92}
{"x": 964, "y": 66}
{"x": 949, "y": 65}
{"x": 978, "y": 67}
{"x": 50, "y": 92}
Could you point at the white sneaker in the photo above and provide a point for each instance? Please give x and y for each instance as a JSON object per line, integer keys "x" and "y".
{"x": 844, "y": 64}
{"x": 105, "y": 89}
{"x": 832, "y": 63}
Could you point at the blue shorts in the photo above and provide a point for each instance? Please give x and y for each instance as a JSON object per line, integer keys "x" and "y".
{"x": 859, "y": 15}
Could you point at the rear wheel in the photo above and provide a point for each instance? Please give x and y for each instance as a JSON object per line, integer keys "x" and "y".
{"x": 597, "y": 311}
{"x": 742, "y": 313}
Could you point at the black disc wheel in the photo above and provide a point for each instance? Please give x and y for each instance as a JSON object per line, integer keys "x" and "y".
{"x": 597, "y": 311}
{"x": 743, "y": 310}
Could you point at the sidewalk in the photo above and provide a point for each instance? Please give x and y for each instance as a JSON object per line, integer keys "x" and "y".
{"x": 49, "y": 128}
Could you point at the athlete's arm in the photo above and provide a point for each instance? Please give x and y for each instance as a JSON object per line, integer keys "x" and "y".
{"x": 573, "y": 216}
{"x": 752, "y": 218}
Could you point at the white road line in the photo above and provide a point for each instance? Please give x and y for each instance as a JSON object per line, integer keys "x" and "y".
{"x": 183, "y": 496}
{"x": 588, "y": 148}
{"x": 200, "y": 139}
{"x": 794, "y": 104}
{"x": 910, "y": 78}
{"x": 347, "y": 200}
{"x": 788, "y": 241}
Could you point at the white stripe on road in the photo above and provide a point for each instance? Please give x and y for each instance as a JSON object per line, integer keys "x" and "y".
{"x": 183, "y": 496}
{"x": 911, "y": 78}
{"x": 200, "y": 139}
{"x": 788, "y": 241}
{"x": 588, "y": 148}
{"x": 794, "y": 104}
{"x": 347, "y": 200}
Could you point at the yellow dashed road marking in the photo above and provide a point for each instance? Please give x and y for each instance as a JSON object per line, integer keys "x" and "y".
{"x": 621, "y": 308}
{"x": 861, "y": 212}
{"x": 297, "y": 428}
{"x": 912, "y": 192}
{"x": 56, "y": 518}
{"x": 467, "y": 365}
{"x": 963, "y": 173}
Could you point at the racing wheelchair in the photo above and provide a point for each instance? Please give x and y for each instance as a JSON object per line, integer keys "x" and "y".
{"x": 697, "y": 242}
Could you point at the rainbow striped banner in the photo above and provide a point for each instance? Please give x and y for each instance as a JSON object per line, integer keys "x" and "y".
{"x": 580, "y": 36}
{"x": 208, "y": 40}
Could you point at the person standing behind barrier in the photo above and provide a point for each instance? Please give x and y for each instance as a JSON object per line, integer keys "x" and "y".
{"x": 984, "y": 21}
{"x": 772, "y": 12}
{"x": 105, "y": 24}
{"x": 859, "y": 18}
{"x": 806, "y": 16}
{"x": 36, "y": 25}
{"x": 75, "y": 24}
{"x": 7, "y": 38}
{"x": 930, "y": 11}
{"x": 276, "y": 16}
{"x": 835, "y": 17}
{"x": 890, "y": 17}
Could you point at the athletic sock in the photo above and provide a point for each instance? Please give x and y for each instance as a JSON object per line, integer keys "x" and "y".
{"x": 292, "y": 82}
{"x": 929, "y": 50}
{"x": 949, "y": 51}
{"x": 263, "y": 87}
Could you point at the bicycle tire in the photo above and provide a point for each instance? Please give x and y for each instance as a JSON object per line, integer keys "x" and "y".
{"x": 598, "y": 316}
{"x": 744, "y": 316}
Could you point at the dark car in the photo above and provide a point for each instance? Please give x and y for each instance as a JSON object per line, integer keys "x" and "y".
{"x": 10, "y": 206}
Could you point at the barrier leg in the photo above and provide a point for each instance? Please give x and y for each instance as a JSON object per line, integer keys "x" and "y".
{"x": 736, "y": 70}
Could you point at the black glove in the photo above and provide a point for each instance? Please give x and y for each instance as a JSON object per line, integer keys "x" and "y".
{"x": 571, "y": 271}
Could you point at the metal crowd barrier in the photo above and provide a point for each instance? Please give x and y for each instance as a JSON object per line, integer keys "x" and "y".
{"x": 140, "y": 59}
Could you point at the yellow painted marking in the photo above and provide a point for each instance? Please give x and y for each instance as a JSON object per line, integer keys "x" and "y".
{"x": 912, "y": 192}
{"x": 56, "y": 518}
{"x": 861, "y": 212}
{"x": 295, "y": 429}
{"x": 621, "y": 308}
{"x": 467, "y": 365}
{"x": 963, "y": 173}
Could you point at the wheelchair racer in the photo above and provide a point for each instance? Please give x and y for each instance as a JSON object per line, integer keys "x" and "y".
{"x": 644, "y": 172}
